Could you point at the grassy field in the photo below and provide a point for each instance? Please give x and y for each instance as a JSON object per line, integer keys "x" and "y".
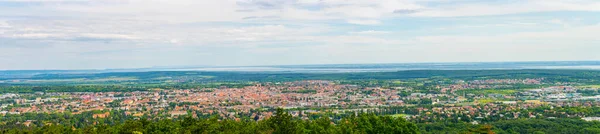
{"x": 400, "y": 82}
{"x": 486, "y": 100}
{"x": 399, "y": 115}
{"x": 491, "y": 91}
{"x": 589, "y": 86}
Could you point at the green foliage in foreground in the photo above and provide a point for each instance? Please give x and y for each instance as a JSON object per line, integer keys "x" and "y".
{"x": 519, "y": 126}
{"x": 281, "y": 123}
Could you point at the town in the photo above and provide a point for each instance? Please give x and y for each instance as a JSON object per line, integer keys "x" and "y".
{"x": 303, "y": 97}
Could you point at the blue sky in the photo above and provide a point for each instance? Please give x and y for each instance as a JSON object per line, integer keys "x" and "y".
{"x": 99, "y": 34}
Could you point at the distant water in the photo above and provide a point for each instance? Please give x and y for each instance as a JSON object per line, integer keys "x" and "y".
{"x": 337, "y": 68}
{"x": 587, "y": 65}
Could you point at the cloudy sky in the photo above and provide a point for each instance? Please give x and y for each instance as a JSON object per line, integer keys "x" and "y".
{"x": 98, "y": 34}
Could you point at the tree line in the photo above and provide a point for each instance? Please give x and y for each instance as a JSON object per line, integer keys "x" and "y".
{"x": 280, "y": 123}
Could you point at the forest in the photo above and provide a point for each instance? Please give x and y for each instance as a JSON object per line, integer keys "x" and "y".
{"x": 284, "y": 123}
{"x": 280, "y": 123}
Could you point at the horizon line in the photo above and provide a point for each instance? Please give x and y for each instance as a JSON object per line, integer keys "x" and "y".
{"x": 283, "y": 65}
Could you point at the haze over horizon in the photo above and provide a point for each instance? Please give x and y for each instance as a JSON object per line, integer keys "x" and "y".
{"x": 342, "y": 68}
{"x": 89, "y": 34}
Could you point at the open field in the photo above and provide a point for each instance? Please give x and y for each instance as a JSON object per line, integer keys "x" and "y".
{"x": 589, "y": 86}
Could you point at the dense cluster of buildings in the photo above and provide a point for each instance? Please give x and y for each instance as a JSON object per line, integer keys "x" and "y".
{"x": 292, "y": 95}
{"x": 302, "y": 94}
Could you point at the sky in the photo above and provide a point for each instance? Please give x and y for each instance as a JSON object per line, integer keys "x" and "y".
{"x": 102, "y": 34}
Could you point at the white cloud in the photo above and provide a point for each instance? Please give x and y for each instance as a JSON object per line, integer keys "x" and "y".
{"x": 364, "y": 22}
{"x": 569, "y": 43}
{"x": 371, "y": 32}
{"x": 174, "y": 41}
{"x": 67, "y": 30}
{"x": 50, "y": 0}
{"x": 3, "y": 24}
{"x": 222, "y": 10}
{"x": 301, "y": 31}
{"x": 508, "y": 7}
{"x": 36, "y": 35}
{"x": 559, "y": 22}
{"x": 107, "y": 36}
{"x": 360, "y": 40}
